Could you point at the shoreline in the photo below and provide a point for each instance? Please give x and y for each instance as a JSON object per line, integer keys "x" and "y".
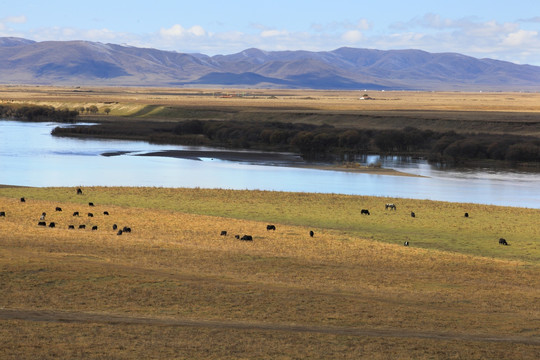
{"x": 269, "y": 159}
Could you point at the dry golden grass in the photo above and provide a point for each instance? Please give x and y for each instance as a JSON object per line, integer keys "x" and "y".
{"x": 175, "y": 288}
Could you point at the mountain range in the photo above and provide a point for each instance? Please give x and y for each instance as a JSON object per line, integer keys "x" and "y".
{"x": 73, "y": 63}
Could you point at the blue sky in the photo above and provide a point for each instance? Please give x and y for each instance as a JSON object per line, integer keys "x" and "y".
{"x": 505, "y": 30}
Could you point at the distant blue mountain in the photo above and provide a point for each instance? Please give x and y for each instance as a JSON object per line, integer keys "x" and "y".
{"x": 24, "y": 61}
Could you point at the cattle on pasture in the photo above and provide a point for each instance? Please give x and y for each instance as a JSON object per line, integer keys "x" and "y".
{"x": 364, "y": 212}
{"x": 390, "y": 206}
{"x": 247, "y": 238}
{"x": 270, "y": 227}
{"x": 502, "y": 241}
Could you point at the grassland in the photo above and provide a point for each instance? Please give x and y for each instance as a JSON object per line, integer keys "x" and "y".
{"x": 174, "y": 288}
{"x": 493, "y": 113}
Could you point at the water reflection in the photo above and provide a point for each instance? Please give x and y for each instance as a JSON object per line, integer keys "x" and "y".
{"x": 30, "y": 156}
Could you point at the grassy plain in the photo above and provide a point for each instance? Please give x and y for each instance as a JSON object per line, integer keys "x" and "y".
{"x": 175, "y": 288}
{"x": 496, "y": 113}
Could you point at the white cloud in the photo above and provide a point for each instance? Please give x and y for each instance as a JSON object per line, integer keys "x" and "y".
{"x": 273, "y": 33}
{"x": 14, "y": 19}
{"x": 178, "y": 31}
{"x": 522, "y": 38}
{"x": 352, "y": 36}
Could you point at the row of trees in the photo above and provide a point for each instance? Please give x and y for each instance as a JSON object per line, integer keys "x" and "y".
{"x": 326, "y": 141}
{"x": 37, "y": 113}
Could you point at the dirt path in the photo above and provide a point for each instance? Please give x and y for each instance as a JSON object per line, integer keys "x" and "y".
{"x": 83, "y": 317}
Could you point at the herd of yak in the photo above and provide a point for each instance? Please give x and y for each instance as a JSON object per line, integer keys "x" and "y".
{"x": 127, "y": 229}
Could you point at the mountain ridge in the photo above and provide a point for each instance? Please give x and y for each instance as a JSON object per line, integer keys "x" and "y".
{"x": 78, "y": 62}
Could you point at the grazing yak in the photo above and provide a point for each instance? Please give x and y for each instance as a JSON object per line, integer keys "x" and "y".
{"x": 94, "y": 227}
{"x": 42, "y": 217}
{"x": 105, "y": 213}
{"x": 76, "y": 213}
{"x": 114, "y": 227}
{"x": 413, "y": 214}
{"x": 82, "y": 226}
{"x": 311, "y": 233}
{"x": 502, "y": 241}
{"x": 270, "y": 227}
{"x": 23, "y": 199}
{"x": 90, "y": 204}
{"x": 390, "y": 206}
{"x": 42, "y": 223}
{"x": 90, "y": 215}
{"x": 466, "y": 214}
{"x": 3, "y": 213}
{"x": 71, "y": 227}
{"x": 247, "y": 238}
{"x": 51, "y": 225}
{"x": 223, "y": 233}
{"x": 58, "y": 208}
{"x": 364, "y": 212}
{"x": 406, "y": 243}
{"x": 237, "y": 237}
{"x": 119, "y": 232}
{"x": 126, "y": 229}
{"x": 79, "y": 191}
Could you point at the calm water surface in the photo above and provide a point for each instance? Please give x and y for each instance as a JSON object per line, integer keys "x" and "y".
{"x": 30, "y": 156}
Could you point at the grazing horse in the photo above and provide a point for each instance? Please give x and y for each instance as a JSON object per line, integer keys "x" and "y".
{"x": 270, "y": 227}
{"x": 390, "y": 206}
{"x": 364, "y": 212}
{"x": 502, "y": 241}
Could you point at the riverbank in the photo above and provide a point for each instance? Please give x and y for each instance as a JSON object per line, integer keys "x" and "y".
{"x": 270, "y": 158}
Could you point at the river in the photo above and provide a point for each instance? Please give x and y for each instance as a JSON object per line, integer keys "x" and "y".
{"x": 30, "y": 156}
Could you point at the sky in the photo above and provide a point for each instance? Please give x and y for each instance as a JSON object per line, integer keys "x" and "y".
{"x": 497, "y": 29}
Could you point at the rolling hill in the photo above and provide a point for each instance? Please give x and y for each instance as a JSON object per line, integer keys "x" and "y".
{"x": 25, "y": 61}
